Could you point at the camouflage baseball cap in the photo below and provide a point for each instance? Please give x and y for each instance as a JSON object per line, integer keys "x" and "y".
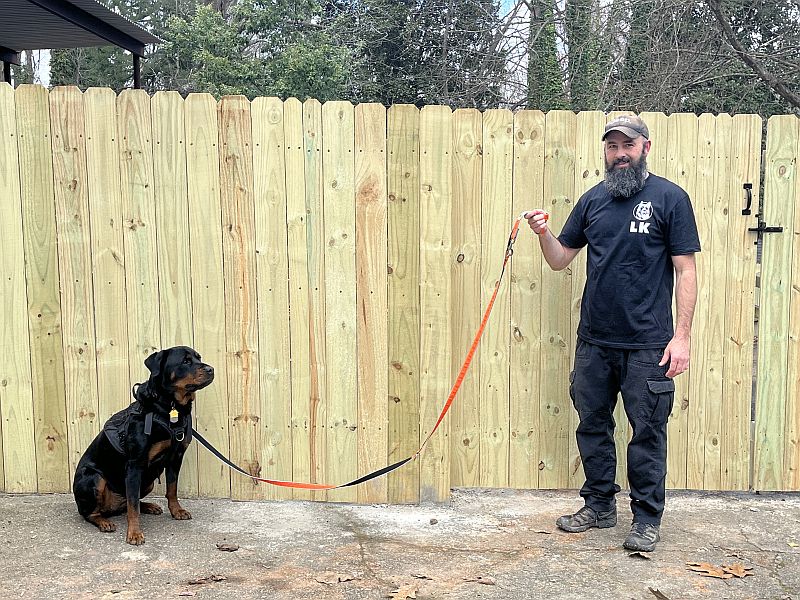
{"x": 630, "y": 125}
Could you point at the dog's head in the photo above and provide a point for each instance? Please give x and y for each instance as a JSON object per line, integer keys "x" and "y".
{"x": 178, "y": 370}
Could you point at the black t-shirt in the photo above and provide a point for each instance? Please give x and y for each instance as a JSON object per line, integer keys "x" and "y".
{"x": 627, "y": 300}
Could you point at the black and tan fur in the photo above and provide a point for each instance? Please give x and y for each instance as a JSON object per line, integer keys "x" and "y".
{"x": 122, "y": 463}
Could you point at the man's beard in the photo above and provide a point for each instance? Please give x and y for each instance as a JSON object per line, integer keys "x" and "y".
{"x": 626, "y": 182}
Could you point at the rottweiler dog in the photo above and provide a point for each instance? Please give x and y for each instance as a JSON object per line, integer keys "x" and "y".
{"x": 137, "y": 444}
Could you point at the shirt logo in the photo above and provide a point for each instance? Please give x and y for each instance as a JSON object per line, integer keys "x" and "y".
{"x": 642, "y": 212}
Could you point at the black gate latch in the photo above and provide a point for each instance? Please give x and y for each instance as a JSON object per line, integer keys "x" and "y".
{"x": 762, "y": 225}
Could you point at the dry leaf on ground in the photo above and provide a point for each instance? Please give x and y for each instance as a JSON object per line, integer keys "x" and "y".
{"x": 403, "y": 592}
{"x": 329, "y": 578}
{"x": 421, "y": 576}
{"x": 658, "y": 594}
{"x": 738, "y": 569}
{"x": 227, "y": 547}
{"x": 642, "y": 555}
{"x": 708, "y": 570}
{"x": 207, "y": 579}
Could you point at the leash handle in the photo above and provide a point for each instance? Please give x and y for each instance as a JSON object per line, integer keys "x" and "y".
{"x": 512, "y": 237}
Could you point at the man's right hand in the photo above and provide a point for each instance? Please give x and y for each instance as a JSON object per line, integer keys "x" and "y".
{"x": 537, "y": 219}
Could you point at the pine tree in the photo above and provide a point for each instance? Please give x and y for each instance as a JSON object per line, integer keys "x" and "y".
{"x": 545, "y": 80}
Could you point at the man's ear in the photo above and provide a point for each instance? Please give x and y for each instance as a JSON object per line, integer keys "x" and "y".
{"x": 154, "y": 363}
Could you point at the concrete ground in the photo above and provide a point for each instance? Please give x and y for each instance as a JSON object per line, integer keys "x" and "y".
{"x": 484, "y": 544}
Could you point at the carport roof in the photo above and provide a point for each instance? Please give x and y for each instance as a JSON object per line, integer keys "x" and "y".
{"x": 37, "y": 24}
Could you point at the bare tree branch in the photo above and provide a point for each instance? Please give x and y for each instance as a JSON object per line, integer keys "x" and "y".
{"x": 771, "y": 80}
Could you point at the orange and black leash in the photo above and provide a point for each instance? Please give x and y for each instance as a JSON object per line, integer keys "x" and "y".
{"x": 453, "y": 391}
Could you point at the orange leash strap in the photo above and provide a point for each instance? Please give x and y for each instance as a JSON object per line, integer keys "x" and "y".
{"x": 453, "y": 391}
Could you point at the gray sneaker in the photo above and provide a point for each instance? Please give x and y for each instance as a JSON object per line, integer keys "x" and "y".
{"x": 587, "y": 518}
{"x": 643, "y": 537}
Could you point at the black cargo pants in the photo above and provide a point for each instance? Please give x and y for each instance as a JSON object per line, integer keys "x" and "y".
{"x": 647, "y": 394}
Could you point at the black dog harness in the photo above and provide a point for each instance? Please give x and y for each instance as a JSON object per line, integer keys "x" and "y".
{"x": 116, "y": 428}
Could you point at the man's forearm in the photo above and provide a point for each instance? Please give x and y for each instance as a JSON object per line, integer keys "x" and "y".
{"x": 685, "y": 300}
{"x": 554, "y": 252}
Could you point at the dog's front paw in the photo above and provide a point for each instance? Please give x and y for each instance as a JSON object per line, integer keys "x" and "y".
{"x": 149, "y": 508}
{"x": 103, "y": 524}
{"x": 136, "y": 538}
{"x": 181, "y": 514}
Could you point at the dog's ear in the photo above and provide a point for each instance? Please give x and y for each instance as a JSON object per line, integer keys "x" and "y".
{"x": 155, "y": 363}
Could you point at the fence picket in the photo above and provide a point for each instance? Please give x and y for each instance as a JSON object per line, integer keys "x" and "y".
{"x": 525, "y": 289}
{"x": 737, "y": 392}
{"x": 340, "y": 297}
{"x": 777, "y": 394}
{"x": 208, "y": 285}
{"x": 404, "y": 312}
{"x": 272, "y": 262}
{"x": 467, "y": 177}
{"x": 371, "y": 296}
{"x": 241, "y": 332}
{"x": 435, "y": 254}
{"x": 556, "y": 329}
{"x": 47, "y": 416}
{"x": 17, "y": 459}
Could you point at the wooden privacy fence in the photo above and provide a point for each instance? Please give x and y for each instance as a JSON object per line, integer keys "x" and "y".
{"x": 332, "y": 263}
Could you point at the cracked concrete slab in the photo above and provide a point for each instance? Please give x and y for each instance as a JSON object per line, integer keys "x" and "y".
{"x": 484, "y": 544}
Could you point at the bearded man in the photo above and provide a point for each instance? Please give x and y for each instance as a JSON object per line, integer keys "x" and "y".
{"x": 641, "y": 238}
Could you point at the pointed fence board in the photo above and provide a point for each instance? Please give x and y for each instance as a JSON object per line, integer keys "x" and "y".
{"x": 467, "y": 177}
{"x": 371, "y": 297}
{"x": 74, "y": 258}
{"x": 525, "y": 289}
{"x": 557, "y": 330}
{"x": 496, "y": 220}
{"x": 212, "y": 418}
{"x": 737, "y": 392}
{"x": 302, "y": 405}
{"x": 403, "y": 299}
{"x": 316, "y": 243}
{"x": 702, "y": 338}
{"x": 682, "y": 139}
{"x": 172, "y": 242}
{"x": 715, "y": 373}
{"x": 18, "y": 459}
{"x": 305, "y": 384}
{"x": 241, "y": 331}
{"x": 436, "y": 135}
{"x": 791, "y": 450}
{"x": 340, "y": 298}
{"x": 48, "y": 416}
{"x": 272, "y": 262}
{"x": 776, "y": 394}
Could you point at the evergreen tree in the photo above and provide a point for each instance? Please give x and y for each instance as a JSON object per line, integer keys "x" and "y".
{"x": 545, "y": 80}
{"x": 584, "y": 55}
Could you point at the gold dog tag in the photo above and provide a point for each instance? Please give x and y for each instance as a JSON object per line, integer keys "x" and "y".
{"x": 173, "y": 416}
